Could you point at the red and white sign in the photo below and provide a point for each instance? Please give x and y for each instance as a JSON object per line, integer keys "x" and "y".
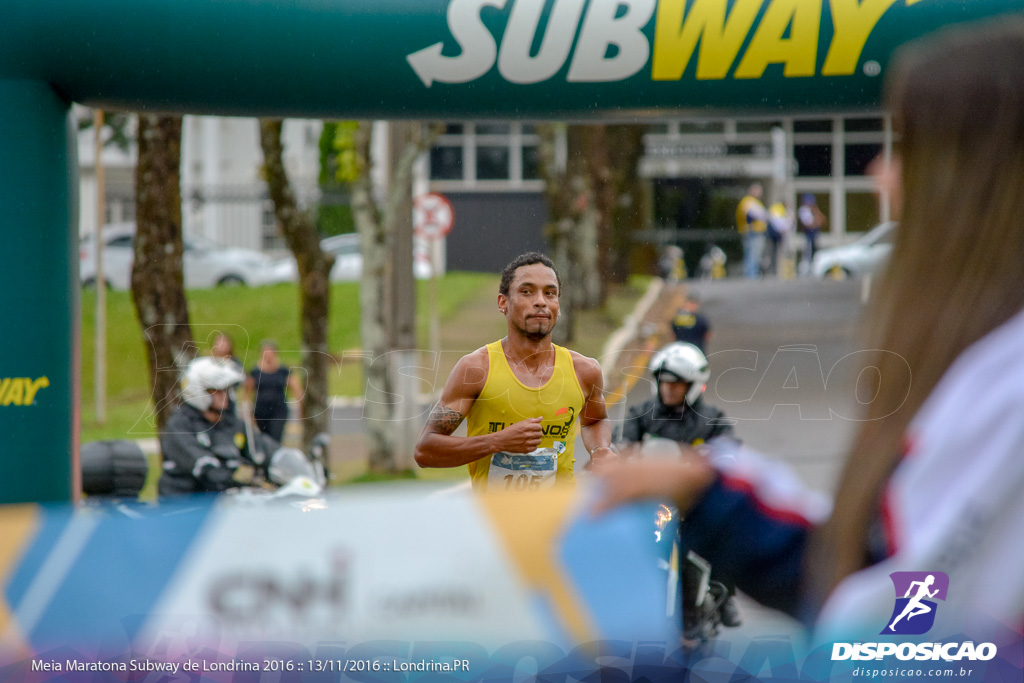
{"x": 432, "y": 216}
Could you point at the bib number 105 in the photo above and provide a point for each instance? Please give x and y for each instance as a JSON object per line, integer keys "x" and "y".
{"x": 522, "y": 482}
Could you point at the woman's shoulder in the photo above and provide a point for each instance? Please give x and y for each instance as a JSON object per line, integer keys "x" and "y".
{"x": 985, "y": 379}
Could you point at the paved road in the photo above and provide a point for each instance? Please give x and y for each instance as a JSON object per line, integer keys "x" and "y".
{"x": 784, "y": 365}
{"x": 781, "y": 365}
{"x": 777, "y": 355}
{"x": 785, "y": 362}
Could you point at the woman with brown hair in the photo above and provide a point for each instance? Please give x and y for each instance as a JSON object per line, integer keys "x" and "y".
{"x": 935, "y": 478}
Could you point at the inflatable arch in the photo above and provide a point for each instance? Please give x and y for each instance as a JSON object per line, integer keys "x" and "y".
{"x": 447, "y": 59}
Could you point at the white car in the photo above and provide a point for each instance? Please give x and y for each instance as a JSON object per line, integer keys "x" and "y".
{"x": 864, "y": 256}
{"x": 348, "y": 261}
{"x": 206, "y": 264}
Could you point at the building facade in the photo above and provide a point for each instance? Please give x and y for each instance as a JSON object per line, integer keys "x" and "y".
{"x": 697, "y": 170}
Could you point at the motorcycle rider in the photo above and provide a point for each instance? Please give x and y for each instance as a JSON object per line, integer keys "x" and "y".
{"x": 678, "y": 413}
{"x": 204, "y": 446}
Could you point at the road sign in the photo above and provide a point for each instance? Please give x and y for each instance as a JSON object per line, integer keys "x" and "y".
{"x": 432, "y": 216}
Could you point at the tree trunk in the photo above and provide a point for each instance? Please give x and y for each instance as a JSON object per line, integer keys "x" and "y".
{"x": 602, "y": 180}
{"x": 377, "y": 226}
{"x": 157, "y": 277}
{"x": 613, "y": 152}
{"x": 375, "y": 307}
{"x": 314, "y": 280}
{"x": 567, "y": 191}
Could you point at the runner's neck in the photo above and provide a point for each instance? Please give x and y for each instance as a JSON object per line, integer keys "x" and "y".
{"x": 529, "y": 360}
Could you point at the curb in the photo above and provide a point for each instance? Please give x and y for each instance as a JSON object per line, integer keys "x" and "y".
{"x": 629, "y": 330}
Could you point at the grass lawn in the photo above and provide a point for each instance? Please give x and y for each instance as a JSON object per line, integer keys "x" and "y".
{"x": 247, "y": 315}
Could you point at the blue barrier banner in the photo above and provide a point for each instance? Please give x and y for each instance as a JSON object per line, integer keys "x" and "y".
{"x": 397, "y": 585}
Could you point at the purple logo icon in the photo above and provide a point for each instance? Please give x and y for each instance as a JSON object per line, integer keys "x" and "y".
{"x": 914, "y": 612}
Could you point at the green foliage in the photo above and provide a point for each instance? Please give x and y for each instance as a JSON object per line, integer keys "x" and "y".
{"x": 117, "y": 125}
{"x": 350, "y": 165}
{"x": 334, "y": 214}
{"x": 334, "y": 219}
{"x": 328, "y": 157}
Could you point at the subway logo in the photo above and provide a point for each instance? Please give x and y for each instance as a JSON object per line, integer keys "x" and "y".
{"x": 605, "y": 40}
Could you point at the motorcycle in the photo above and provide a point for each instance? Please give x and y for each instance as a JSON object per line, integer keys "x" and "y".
{"x": 290, "y": 474}
{"x": 118, "y": 469}
{"x": 701, "y": 599}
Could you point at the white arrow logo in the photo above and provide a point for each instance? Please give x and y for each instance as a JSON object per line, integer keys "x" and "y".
{"x": 479, "y": 51}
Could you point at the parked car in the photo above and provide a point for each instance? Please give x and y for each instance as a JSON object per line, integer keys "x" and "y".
{"x": 348, "y": 261}
{"x": 864, "y": 256}
{"x": 206, "y": 264}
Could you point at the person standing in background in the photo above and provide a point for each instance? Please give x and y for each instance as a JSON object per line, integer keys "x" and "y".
{"x": 751, "y": 221}
{"x": 780, "y": 224}
{"x": 224, "y": 349}
{"x": 812, "y": 222}
{"x": 267, "y": 387}
{"x": 690, "y": 325}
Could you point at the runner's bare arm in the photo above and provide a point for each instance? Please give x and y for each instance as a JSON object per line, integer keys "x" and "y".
{"x": 595, "y": 427}
{"x": 437, "y": 447}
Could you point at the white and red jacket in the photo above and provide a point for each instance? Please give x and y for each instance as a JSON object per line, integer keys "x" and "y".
{"x": 954, "y": 504}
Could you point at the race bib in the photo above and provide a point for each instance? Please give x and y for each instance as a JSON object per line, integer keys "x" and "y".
{"x": 523, "y": 472}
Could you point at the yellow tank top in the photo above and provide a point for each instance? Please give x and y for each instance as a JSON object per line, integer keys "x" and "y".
{"x": 746, "y": 205}
{"x": 505, "y": 400}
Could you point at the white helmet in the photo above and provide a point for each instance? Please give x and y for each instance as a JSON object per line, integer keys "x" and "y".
{"x": 687, "y": 363}
{"x": 207, "y": 373}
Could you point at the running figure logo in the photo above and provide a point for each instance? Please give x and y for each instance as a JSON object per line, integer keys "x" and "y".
{"x": 914, "y": 613}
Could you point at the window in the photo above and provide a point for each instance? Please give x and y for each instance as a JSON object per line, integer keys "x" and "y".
{"x": 491, "y": 152}
{"x": 446, "y": 163}
{"x": 756, "y": 126}
{"x": 701, "y": 126}
{"x": 859, "y": 157}
{"x": 862, "y": 125}
{"x": 492, "y": 163}
{"x": 531, "y": 162}
{"x": 813, "y": 126}
{"x": 813, "y": 160}
{"x": 493, "y": 129}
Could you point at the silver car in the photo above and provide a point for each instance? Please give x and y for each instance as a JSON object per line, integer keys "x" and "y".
{"x": 206, "y": 264}
{"x": 348, "y": 261}
{"x": 864, "y": 256}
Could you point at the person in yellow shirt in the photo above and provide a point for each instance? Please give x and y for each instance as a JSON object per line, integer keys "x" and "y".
{"x": 751, "y": 221}
{"x": 523, "y": 397}
{"x": 780, "y": 225}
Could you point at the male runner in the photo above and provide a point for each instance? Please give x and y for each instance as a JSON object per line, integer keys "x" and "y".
{"x": 523, "y": 397}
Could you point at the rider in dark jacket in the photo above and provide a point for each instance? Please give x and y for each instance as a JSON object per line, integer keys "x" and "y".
{"x": 205, "y": 447}
{"x": 678, "y": 413}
